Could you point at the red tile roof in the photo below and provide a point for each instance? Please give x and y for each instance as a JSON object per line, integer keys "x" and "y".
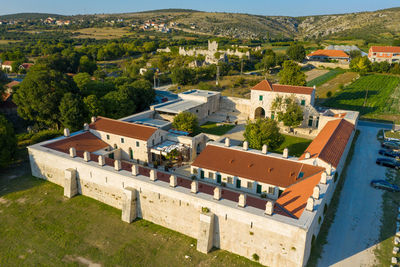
{"x": 265, "y": 85}
{"x": 257, "y": 167}
{"x": 294, "y": 198}
{"x": 331, "y": 142}
{"x": 26, "y": 65}
{"x": 329, "y": 53}
{"x": 81, "y": 142}
{"x": 122, "y": 128}
{"x": 385, "y": 49}
{"x": 12, "y": 84}
{"x": 7, "y": 63}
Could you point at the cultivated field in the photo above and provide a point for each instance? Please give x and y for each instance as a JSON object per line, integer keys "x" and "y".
{"x": 314, "y": 73}
{"x": 39, "y": 227}
{"x": 102, "y": 33}
{"x": 334, "y": 85}
{"x": 324, "y": 77}
{"x": 375, "y": 96}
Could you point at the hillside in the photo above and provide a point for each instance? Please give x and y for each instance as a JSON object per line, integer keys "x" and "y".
{"x": 29, "y": 16}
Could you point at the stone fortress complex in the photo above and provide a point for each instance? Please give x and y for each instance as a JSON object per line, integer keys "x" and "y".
{"x": 235, "y": 198}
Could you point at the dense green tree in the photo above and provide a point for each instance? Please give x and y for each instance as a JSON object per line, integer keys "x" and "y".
{"x": 361, "y": 65}
{"x": 183, "y": 76}
{"x": 291, "y": 74}
{"x": 119, "y": 103}
{"x": 293, "y": 114}
{"x": 94, "y": 106}
{"x": 296, "y": 52}
{"x": 186, "y": 121}
{"x": 87, "y": 65}
{"x": 8, "y": 142}
{"x": 263, "y": 132}
{"x": 72, "y": 112}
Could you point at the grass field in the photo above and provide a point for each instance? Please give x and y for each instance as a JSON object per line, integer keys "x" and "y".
{"x": 374, "y": 96}
{"x": 212, "y": 128}
{"x": 390, "y": 205}
{"x": 325, "y": 77}
{"x": 39, "y": 227}
{"x": 334, "y": 85}
{"x": 391, "y": 134}
{"x": 296, "y": 145}
{"x": 102, "y": 33}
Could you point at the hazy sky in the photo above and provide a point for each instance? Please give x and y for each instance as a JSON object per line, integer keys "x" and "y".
{"x": 261, "y": 7}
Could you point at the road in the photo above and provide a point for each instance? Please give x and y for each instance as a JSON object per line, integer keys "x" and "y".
{"x": 354, "y": 232}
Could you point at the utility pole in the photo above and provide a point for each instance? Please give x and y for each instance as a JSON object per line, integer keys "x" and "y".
{"x": 154, "y": 77}
{"x": 241, "y": 67}
{"x": 217, "y": 81}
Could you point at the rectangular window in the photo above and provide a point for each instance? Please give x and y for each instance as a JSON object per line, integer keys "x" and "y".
{"x": 238, "y": 183}
{"x": 270, "y": 190}
{"x": 301, "y": 174}
{"x": 122, "y": 140}
{"x": 137, "y": 143}
{"x": 273, "y": 115}
{"x": 260, "y": 97}
{"x": 250, "y": 185}
{"x": 317, "y": 123}
{"x": 108, "y": 137}
{"x": 211, "y": 175}
{"x": 259, "y": 188}
{"x": 230, "y": 180}
{"x": 310, "y": 121}
{"x": 202, "y": 174}
{"x": 219, "y": 178}
{"x": 152, "y": 141}
{"x": 303, "y": 102}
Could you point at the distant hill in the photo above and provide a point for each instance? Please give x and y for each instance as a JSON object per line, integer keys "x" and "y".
{"x": 30, "y": 16}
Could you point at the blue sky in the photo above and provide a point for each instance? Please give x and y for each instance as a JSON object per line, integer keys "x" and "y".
{"x": 261, "y": 7}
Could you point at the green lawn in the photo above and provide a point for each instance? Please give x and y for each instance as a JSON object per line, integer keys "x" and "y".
{"x": 212, "y": 128}
{"x": 390, "y": 205}
{"x": 39, "y": 227}
{"x": 375, "y": 96}
{"x": 326, "y": 77}
{"x": 391, "y": 134}
{"x": 296, "y": 145}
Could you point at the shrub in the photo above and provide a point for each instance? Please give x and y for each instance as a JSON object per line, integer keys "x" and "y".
{"x": 255, "y": 257}
{"x": 329, "y": 94}
{"x": 45, "y": 135}
{"x": 205, "y": 209}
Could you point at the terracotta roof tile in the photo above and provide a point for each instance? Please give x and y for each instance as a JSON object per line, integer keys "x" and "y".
{"x": 122, "y": 128}
{"x": 12, "y": 84}
{"x": 331, "y": 142}
{"x": 7, "y": 63}
{"x": 385, "y": 49}
{"x": 294, "y": 198}
{"x": 265, "y": 85}
{"x": 257, "y": 167}
{"x": 329, "y": 53}
{"x": 81, "y": 142}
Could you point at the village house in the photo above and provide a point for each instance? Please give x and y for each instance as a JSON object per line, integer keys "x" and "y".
{"x": 326, "y": 55}
{"x": 7, "y": 65}
{"x": 390, "y": 54}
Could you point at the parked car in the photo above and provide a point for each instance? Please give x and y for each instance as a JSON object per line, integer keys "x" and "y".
{"x": 392, "y": 163}
{"x": 383, "y": 184}
{"x": 391, "y": 145}
{"x": 389, "y": 153}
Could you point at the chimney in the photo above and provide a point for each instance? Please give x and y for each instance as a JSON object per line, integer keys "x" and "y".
{"x": 314, "y": 87}
{"x": 173, "y": 181}
{"x": 194, "y": 187}
{"x": 86, "y": 156}
{"x": 102, "y": 160}
{"x": 269, "y": 208}
{"x": 242, "y": 200}
{"x": 66, "y": 132}
{"x": 329, "y": 170}
{"x": 93, "y": 119}
{"x": 316, "y": 192}
{"x": 72, "y": 152}
{"x": 285, "y": 153}
{"x": 117, "y": 165}
{"x": 217, "y": 193}
{"x": 135, "y": 170}
{"x": 245, "y": 145}
{"x": 308, "y": 155}
{"x": 227, "y": 142}
{"x": 264, "y": 149}
{"x": 310, "y": 204}
{"x": 153, "y": 176}
{"x": 86, "y": 127}
{"x": 323, "y": 178}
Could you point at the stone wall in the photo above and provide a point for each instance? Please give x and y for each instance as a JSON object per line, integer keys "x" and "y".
{"x": 277, "y": 240}
{"x": 236, "y": 104}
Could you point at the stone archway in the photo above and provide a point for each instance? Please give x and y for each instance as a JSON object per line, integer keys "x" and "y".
{"x": 259, "y": 113}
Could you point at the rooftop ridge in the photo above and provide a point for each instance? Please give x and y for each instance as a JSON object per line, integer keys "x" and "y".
{"x": 126, "y": 122}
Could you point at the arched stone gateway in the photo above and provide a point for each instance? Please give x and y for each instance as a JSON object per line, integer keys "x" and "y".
{"x": 259, "y": 113}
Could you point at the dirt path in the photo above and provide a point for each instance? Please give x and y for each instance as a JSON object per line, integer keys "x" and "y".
{"x": 355, "y": 231}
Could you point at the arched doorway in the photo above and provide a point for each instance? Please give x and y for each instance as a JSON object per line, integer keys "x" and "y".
{"x": 259, "y": 113}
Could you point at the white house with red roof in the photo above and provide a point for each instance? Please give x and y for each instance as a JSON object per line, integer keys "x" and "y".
{"x": 7, "y": 65}
{"x": 328, "y": 54}
{"x": 389, "y": 54}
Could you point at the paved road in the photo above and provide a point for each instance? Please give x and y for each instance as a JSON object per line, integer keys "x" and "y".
{"x": 355, "y": 230}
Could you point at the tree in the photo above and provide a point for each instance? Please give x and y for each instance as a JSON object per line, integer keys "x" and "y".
{"x": 186, "y": 121}
{"x": 87, "y": 65}
{"x": 8, "y": 142}
{"x": 291, "y": 74}
{"x": 293, "y": 114}
{"x": 141, "y": 92}
{"x": 296, "y": 52}
{"x": 361, "y": 65}
{"x": 72, "y": 112}
{"x": 39, "y": 96}
{"x": 263, "y": 132}
{"x": 182, "y": 76}
{"x": 119, "y": 103}
{"x": 94, "y": 106}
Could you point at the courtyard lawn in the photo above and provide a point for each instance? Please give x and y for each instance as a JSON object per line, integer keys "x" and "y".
{"x": 375, "y": 96}
{"x": 296, "y": 145}
{"x": 39, "y": 227}
{"x": 325, "y": 77}
{"x": 212, "y": 128}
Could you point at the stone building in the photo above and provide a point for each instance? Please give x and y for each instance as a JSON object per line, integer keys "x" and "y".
{"x": 390, "y": 54}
